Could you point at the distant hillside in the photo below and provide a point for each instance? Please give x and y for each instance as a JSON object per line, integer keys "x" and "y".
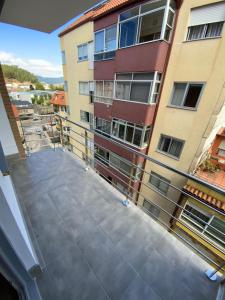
{"x": 51, "y": 80}
{"x": 13, "y": 72}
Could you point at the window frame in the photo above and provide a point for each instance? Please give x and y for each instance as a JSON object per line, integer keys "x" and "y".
{"x": 101, "y": 131}
{"x": 89, "y": 117}
{"x": 63, "y": 55}
{"x": 188, "y": 84}
{"x": 79, "y": 46}
{"x": 134, "y": 126}
{"x": 152, "y": 90}
{"x": 166, "y": 9}
{"x": 171, "y": 139}
{"x": 202, "y": 230}
{"x": 160, "y": 179}
{"x": 203, "y": 36}
{"x": 86, "y": 82}
{"x": 103, "y": 81}
{"x": 104, "y": 51}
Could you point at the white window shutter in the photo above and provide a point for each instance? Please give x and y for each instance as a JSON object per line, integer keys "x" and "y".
{"x": 208, "y": 14}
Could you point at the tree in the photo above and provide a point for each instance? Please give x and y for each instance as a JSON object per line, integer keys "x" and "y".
{"x": 13, "y": 72}
{"x": 34, "y": 99}
{"x": 39, "y": 86}
{"x": 41, "y": 100}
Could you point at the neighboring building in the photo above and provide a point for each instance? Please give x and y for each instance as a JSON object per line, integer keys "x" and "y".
{"x": 192, "y": 102}
{"x": 132, "y": 42}
{"x": 77, "y": 60}
{"x": 24, "y": 109}
{"x": 60, "y": 107}
{"x": 209, "y": 209}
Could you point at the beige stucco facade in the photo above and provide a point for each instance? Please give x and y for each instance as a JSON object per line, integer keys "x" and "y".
{"x": 74, "y": 72}
{"x": 201, "y": 61}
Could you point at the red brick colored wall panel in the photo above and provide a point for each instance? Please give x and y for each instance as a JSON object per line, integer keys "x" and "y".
{"x": 147, "y": 57}
{"x": 104, "y": 70}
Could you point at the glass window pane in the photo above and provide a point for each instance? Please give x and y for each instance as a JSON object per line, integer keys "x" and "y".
{"x": 140, "y": 91}
{"x": 151, "y": 26}
{"x": 193, "y": 94}
{"x": 115, "y": 128}
{"x": 175, "y": 148}
{"x": 109, "y": 55}
{"x": 108, "y": 89}
{"x": 129, "y": 134}
{"x": 152, "y": 5}
{"x": 170, "y": 18}
{"x": 195, "y": 32}
{"x": 129, "y": 13}
{"x": 99, "y": 88}
{"x": 167, "y": 33}
{"x": 123, "y": 90}
{"x": 124, "y": 76}
{"x": 147, "y": 136}
{"x": 214, "y": 234}
{"x": 214, "y": 29}
{"x": 99, "y": 41}
{"x": 198, "y": 217}
{"x": 121, "y": 131}
{"x": 137, "y": 137}
{"x": 178, "y": 93}
{"x": 143, "y": 76}
{"x": 110, "y": 38}
{"x": 128, "y": 32}
{"x": 164, "y": 144}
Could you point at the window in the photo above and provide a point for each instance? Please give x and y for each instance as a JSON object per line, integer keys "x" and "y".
{"x": 63, "y": 53}
{"x": 186, "y": 94}
{"x": 83, "y": 88}
{"x": 200, "y": 220}
{"x": 101, "y": 155}
{"x": 161, "y": 183}
{"x": 82, "y": 52}
{"x": 130, "y": 133}
{"x": 103, "y": 126}
{"x": 151, "y": 209}
{"x": 104, "y": 89}
{"x": 105, "y": 43}
{"x": 204, "y": 31}
{"x": 85, "y": 116}
{"x": 138, "y": 87}
{"x": 170, "y": 145}
{"x": 221, "y": 149}
{"x": 206, "y": 21}
{"x": 146, "y": 22}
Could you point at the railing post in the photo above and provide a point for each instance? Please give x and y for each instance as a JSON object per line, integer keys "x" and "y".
{"x": 126, "y": 201}
{"x": 3, "y": 163}
{"x": 61, "y": 132}
{"x": 53, "y": 138}
{"x": 86, "y": 149}
{"x": 211, "y": 274}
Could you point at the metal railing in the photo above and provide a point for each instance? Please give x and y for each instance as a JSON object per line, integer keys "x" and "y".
{"x": 81, "y": 140}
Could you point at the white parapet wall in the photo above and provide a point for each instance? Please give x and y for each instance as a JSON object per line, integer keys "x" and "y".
{"x": 6, "y": 135}
{"x": 13, "y": 225}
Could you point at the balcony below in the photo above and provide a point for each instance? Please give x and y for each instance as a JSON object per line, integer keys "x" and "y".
{"x": 92, "y": 247}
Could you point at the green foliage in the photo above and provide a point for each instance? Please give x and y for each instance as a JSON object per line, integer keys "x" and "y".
{"x": 13, "y": 72}
{"x": 34, "y": 99}
{"x": 56, "y": 87}
{"x": 39, "y": 86}
{"x": 207, "y": 165}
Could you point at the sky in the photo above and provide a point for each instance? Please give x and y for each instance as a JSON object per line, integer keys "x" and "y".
{"x": 31, "y": 50}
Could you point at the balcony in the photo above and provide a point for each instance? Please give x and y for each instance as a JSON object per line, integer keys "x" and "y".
{"x": 92, "y": 247}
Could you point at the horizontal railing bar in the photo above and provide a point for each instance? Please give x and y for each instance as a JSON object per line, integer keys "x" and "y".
{"x": 184, "y": 174}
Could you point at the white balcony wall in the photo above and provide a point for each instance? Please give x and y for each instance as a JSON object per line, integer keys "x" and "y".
{"x": 13, "y": 226}
{"x": 6, "y": 135}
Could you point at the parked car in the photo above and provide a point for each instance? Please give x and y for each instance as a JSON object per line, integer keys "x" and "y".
{"x": 39, "y": 131}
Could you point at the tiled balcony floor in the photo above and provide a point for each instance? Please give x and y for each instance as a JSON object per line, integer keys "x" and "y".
{"x": 92, "y": 247}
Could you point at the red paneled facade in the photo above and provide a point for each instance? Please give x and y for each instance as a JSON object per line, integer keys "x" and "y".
{"x": 147, "y": 57}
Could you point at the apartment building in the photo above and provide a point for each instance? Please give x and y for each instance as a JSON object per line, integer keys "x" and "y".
{"x": 77, "y": 59}
{"x": 132, "y": 42}
{"x": 207, "y": 216}
{"x": 192, "y": 103}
